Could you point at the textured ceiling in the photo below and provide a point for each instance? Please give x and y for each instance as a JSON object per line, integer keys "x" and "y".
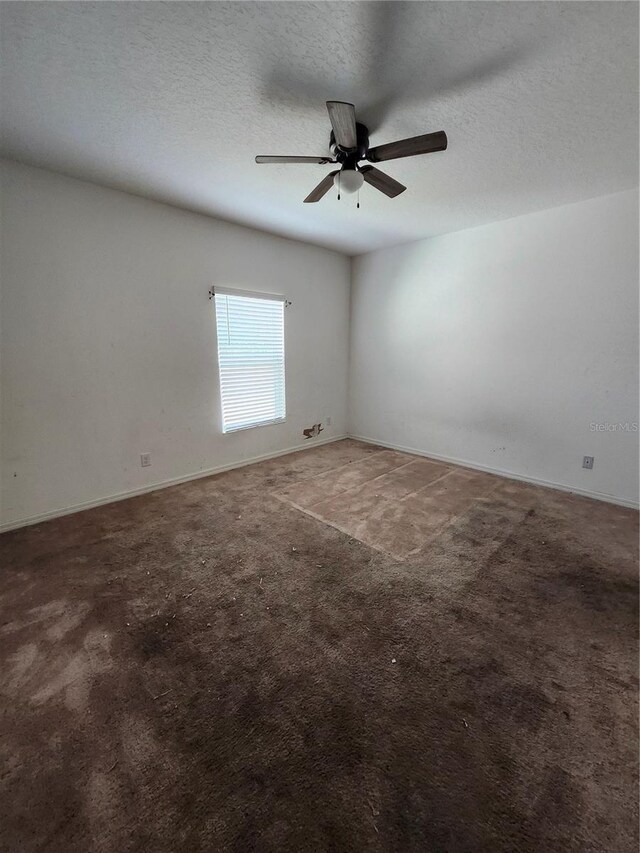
{"x": 174, "y": 100}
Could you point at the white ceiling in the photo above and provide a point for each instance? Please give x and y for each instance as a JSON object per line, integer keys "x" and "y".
{"x": 174, "y": 100}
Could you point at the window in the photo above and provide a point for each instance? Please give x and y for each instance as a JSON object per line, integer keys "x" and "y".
{"x": 250, "y": 357}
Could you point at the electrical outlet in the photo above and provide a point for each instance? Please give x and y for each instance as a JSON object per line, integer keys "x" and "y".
{"x": 145, "y": 460}
{"x": 587, "y": 462}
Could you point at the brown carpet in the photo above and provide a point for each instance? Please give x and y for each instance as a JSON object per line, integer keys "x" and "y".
{"x": 391, "y": 501}
{"x": 208, "y": 668}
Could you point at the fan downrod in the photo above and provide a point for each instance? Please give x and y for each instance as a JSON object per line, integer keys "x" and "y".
{"x": 349, "y": 158}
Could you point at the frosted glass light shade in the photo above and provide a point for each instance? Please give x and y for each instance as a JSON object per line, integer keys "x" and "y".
{"x": 348, "y": 180}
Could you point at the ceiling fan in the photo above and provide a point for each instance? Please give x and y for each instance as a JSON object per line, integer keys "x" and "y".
{"x": 349, "y": 144}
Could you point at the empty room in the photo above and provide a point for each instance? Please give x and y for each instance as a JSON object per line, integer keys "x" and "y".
{"x": 319, "y": 427}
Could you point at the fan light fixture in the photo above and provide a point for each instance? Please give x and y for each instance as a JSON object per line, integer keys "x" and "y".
{"x": 349, "y": 144}
{"x": 348, "y": 180}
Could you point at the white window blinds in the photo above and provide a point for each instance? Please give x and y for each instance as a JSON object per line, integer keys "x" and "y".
{"x": 251, "y": 358}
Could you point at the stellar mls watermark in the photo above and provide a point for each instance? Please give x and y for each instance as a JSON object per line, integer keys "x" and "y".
{"x": 620, "y": 426}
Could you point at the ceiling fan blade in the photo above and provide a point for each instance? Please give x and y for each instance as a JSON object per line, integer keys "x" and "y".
{"x": 270, "y": 159}
{"x": 322, "y": 189}
{"x": 343, "y": 122}
{"x": 382, "y": 182}
{"x": 408, "y": 147}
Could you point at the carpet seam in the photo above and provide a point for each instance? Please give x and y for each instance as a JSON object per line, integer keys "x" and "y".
{"x": 346, "y": 464}
{"x": 338, "y": 528}
{"x": 359, "y": 486}
{"x": 507, "y": 475}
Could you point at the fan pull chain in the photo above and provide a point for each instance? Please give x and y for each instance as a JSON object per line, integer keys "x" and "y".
{"x": 358, "y": 204}
{"x": 338, "y": 186}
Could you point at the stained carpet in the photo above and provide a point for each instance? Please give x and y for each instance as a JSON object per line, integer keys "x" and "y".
{"x": 344, "y": 649}
{"x": 392, "y": 501}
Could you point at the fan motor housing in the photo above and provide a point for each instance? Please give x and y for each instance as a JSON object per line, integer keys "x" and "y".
{"x": 349, "y": 159}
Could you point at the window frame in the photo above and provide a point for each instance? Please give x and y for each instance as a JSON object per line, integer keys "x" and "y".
{"x": 260, "y": 295}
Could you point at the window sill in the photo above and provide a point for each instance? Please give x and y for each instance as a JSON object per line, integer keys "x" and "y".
{"x": 253, "y": 426}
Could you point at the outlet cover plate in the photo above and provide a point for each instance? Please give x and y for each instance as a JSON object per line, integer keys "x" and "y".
{"x": 145, "y": 460}
{"x": 587, "y": 462}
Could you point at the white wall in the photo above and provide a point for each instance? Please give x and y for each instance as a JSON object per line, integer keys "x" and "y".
{"x": 500, "y": 345}
{"x": 109, "y": 348}
{"x": 497, "y": 346}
